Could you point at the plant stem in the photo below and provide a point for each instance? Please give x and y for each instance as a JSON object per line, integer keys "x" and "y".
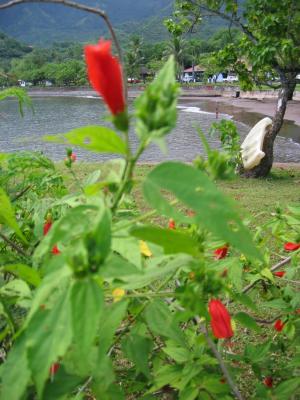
{"x": 13, "y": 245}
{"x": 222, "y": 365}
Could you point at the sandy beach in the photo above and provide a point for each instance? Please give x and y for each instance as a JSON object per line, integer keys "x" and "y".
{"x": 266, "y": 107}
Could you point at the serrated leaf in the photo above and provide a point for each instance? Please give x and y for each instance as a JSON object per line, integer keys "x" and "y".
{"x": 7, "y": 215}
{"x": 215, "y": 211}
{"x": 87, "y": 306}
{"x": 288, "y": 388}
{"x": 15, "y": 373}
{"x": 28, "y": 274}
{"x": 110, "y": 321}
{"x": 48, "y": 335}
{"x": 267, "y": 274}
{"x": 137, "y": 349}
{"x": 172, "y": 241}
{"x": 161, "y": 321}
{"x": 94, "y": 138}
{"x": 247, "y": 321}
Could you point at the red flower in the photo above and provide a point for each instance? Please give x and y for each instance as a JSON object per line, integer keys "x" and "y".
{"x": 47, "y": 226}
{"x": 289, "y": 246}
{"x": 54, "y": 368}
{"x": 221, "y": 252}
{"x": 280, "y": 274}
{"x": 55, "y": 250}
{"x": 73, "y": 157}
{"x": 279, "y": 325}
{"x": 268, "y": 381}
{"x": 220, "y": 320}
{"x": 105, "y": 75}
{"x": 172, "y": 224}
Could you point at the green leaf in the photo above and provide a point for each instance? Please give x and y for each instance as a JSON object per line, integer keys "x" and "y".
{"x": 246, "y": 301}
{"x": 49, "y": 335}
{"x": 257, "y": 353}
{"x": 156, "y": 269}
{"x": 247, "y": 321}
{"x": 74, "y": 223}
{"x": 137, "y": 349}
{"x": 87, "y": 305}
{"x": 177, "y": 353}
{"x": 172, "y": 241}
{"x": 62, "y": 386}
{"x": 214, "y": 211}
{"x": 28, "y": 274}
{"x": 7, "y": 215}
{"x": 111, "y": 319}
{"x": 161, "y": 322}
{"x": 287, "y": 389}
{"x": 267, "y": 274}
{"x": 235, "y": 273}
{"x": 94, "y": 138}
{"x": 15, "y": 373}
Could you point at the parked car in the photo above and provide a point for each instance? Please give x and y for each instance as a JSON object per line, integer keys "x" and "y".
{"x": 231, "y": 78}
{"x": 187, "y": 79}
{"x": 133, "y": 80}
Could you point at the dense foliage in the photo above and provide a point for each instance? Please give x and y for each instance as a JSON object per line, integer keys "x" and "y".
{"x": 99, "y": 302}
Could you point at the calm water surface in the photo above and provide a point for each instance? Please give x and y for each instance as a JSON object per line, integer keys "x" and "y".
{"x": 60, "y": 114}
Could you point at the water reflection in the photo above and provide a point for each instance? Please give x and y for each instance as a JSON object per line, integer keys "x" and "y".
{"x": 60, "y": 114}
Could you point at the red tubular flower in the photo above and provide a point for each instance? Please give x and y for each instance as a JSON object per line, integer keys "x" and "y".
{"x": 172, "y": 224}
{"x": 220, "y": 320}
{"x": 280, "y": 274}
{"x": 290, "y": 246}
{"x": 105, "y": 75}
{"x": 54, "y": 368}
{"x": 55, "y": 250}
{"x": 268, "y": 381}
{"x": 279, "y": 325}
{"x": 73, "y": 157}
{"x": 221, "y": 252}
{"x": 47, "y": 226}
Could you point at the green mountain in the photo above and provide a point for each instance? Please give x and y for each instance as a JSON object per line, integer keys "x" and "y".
{"x": 43, "y": 24}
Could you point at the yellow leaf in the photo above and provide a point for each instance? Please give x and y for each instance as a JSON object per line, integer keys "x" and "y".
{"x": 144, "y": 249}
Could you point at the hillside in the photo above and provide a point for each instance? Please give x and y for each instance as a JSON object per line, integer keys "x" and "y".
{"x": 42, "y": 24}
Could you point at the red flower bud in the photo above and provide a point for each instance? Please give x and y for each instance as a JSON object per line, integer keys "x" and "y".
{"x": 55, "y": 250}
{"x": 54, "y": 368}
{"x": 289, "y": 246}
{"x": 220, "y": 320}
{"x": 105, "y": 75}
{"x": 73, "y": 157}
{"x": 47, "y": 226}
{"x": 268, "y": 381}
{"x": 221, "y": 252}
{"x": 279, "y": 325}
{"x": 172, "y": 224}
{"x": 280, "y": 274}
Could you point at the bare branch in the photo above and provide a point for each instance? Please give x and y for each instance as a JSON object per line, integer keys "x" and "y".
{"x": 232, "y": 18}
{"x": 13, "y": 245}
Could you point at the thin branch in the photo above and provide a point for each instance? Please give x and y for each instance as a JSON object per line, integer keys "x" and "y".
{"x": 234, "y": 19}
{"x": 272, "y": 269}
{"x": 78, "y": 6}
{"x": 219, "y": 358}
{"x": 20, "y": 194}
{"x": 13, "y": 245}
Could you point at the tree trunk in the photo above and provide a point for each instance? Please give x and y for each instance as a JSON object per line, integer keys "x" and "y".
{"x": 263, "y": 169}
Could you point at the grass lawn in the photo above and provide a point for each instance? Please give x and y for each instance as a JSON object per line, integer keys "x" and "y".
{"x": 253, "y": 195}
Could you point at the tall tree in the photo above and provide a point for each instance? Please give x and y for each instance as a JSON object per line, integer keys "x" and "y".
{"x": 134, "y": 57}
{"x": 270, "y": 43}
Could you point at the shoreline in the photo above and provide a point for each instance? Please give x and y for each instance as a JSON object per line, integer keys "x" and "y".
{"x": 265, "y": 107}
